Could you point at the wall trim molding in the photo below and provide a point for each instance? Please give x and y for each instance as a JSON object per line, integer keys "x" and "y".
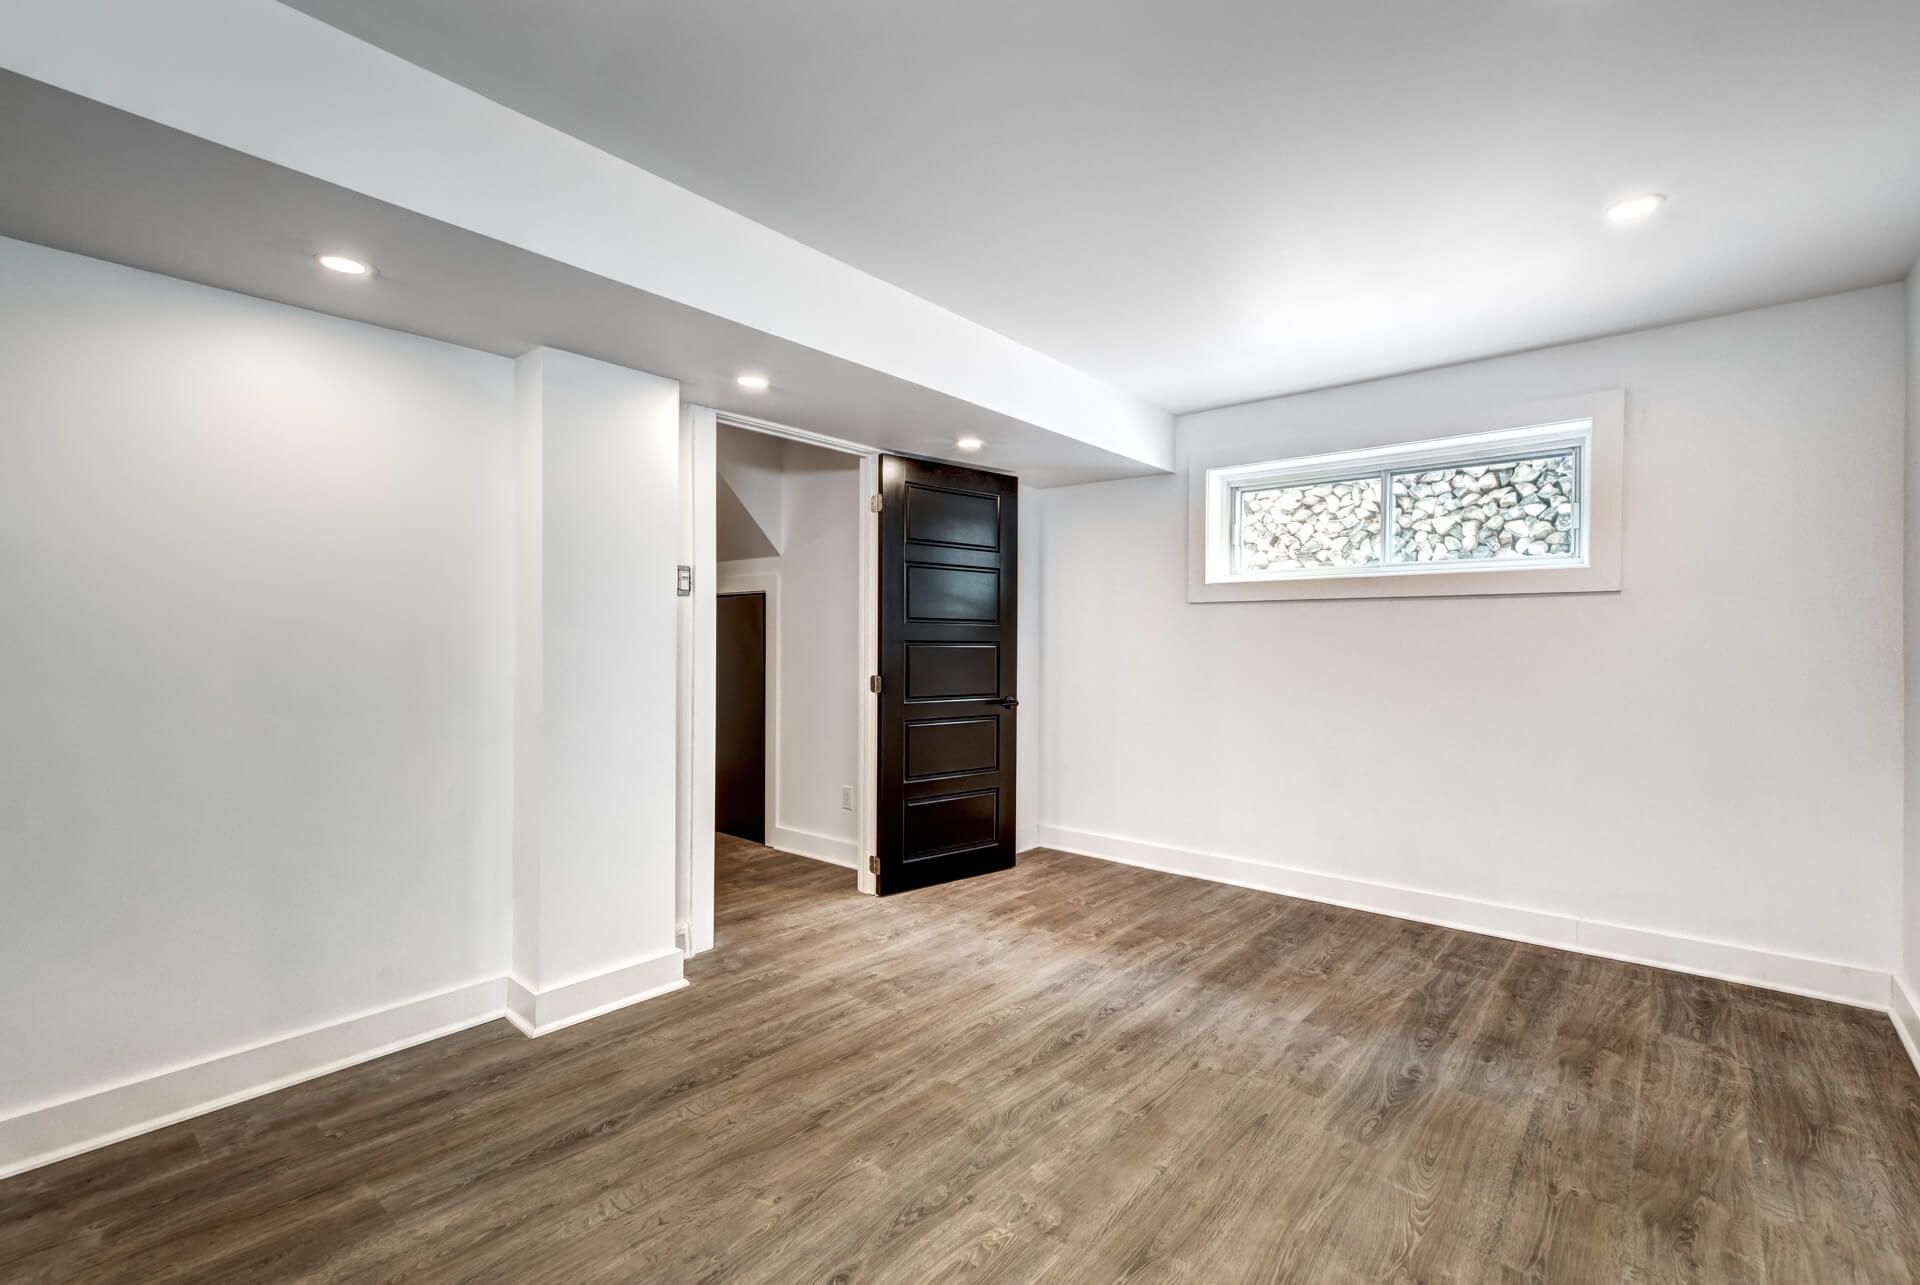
{"x": 820, "y": 847}
{"x": 541, "y": 1012}
{"x": 59, "y": 1130}
{"x": 1815, "y": 978}
{"x": 1904, "y": 1009}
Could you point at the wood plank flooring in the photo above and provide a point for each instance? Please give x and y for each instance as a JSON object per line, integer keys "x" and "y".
{"x": 1072, "y": 1071}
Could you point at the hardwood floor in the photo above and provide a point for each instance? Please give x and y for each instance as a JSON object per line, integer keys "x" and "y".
{"x": 1071, "y": 1071}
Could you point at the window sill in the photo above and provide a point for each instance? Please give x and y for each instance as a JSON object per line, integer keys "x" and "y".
{"x": 1417, "y": 584}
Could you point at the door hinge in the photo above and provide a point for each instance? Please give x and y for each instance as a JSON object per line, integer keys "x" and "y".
{"x": 873, "y": 864}
{"x": 877, "y": 503}
{"x": 873, "y": 684}
{"x": 683, "y": 585}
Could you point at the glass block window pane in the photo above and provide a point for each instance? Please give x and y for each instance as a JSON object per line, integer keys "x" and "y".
{"x": 1518, "y": 508}
{"x": 1308, "y": 526}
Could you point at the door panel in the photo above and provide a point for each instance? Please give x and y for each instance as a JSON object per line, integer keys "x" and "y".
{"x": 740, "y": 716}
{"x": 952, "y": 593}
{"x": 955, "y": 823}
{"x": 948, "y": 542}
{"x": 952, "y": 671}
{"x": 952, "y": 747}
{"x": 959, "y": 518}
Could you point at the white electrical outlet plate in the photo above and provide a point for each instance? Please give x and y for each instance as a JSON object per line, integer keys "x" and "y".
{"x": 846, "y": 797}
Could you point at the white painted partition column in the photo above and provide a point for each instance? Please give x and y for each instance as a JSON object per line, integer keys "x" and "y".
{"x": 595, "y": 706}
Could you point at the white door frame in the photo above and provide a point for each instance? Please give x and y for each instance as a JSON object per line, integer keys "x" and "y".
{"x": 700, "y": 429}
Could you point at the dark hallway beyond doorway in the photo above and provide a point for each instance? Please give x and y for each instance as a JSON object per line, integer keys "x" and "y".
{"x": 740, "y": 717}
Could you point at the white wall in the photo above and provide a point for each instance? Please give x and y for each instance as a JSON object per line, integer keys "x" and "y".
{"x": 255, "y": 571}
{"x": 1029, "y": 804}
{"x": 1713, "y": 754}
{"x": 817, "y": 737}
{"x": 1911, "y": 918}
{"x": 750, "y": 478}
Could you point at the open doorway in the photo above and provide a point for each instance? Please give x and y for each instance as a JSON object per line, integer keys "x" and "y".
{"x": 801, "y": 526}
{"x": 789, "y": 526}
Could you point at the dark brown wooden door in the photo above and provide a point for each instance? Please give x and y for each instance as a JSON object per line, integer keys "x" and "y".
{"x": 948, "y": 538}
{"x": 740, "y": 716}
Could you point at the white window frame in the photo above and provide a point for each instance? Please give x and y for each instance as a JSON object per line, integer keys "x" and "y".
{"x": 1591, "y": 425}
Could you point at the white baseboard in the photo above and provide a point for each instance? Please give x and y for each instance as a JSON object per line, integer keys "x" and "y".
{"x": 540, "y": 1012}
{"x": 41, "y": 1135}
{"x": 1904, "y": 1009}
{"x": 56, "y": 1131}
{"x": 1816, "y": 978}
{"x": 820, "y": 847}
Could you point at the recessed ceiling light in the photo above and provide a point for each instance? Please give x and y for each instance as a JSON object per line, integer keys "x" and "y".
{"x": 341, "y": 263}
{"x": 969, "y": 443}
{"x": 1634, "y": 208}
{"x": 753, "y": 383}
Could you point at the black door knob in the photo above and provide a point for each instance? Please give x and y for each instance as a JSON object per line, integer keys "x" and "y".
{"x": 1008, "y": 702}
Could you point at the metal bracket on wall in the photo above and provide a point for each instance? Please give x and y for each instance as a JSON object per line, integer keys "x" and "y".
{"x": 877, "y": 503}
{"x": 684, "y": 585}
{"x": 873, "y": 684}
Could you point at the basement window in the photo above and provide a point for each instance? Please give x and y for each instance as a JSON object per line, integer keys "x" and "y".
{"x": 1484, "y": 513}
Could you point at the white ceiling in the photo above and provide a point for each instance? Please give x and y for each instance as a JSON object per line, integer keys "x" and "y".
{"x": 115, "y": 186}
{"x": 1208, "y": 201}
